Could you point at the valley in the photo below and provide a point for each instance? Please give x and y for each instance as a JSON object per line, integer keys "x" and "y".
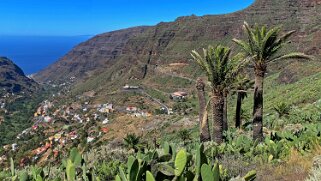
{"x": 129, "y": 104}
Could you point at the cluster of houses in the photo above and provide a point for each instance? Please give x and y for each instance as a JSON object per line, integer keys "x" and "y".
{"x": 73, "y": 116}
{"x": 44, "y": 108}
{"x": 136, "y": 112}
{"x": 74, "y": 113}
{"x": 61, "y": 139}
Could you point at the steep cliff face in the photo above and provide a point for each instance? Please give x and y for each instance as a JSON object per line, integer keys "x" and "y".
{"x": 98, "y": 53}
{"x": 13, "y": 80}
{"x": 135, "y": 52}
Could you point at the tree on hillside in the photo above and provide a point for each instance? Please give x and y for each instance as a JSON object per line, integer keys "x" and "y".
{"x": 184, "y": 135}
{"x": 220, "y": 70}
{"x": 132, "y": 141}
{"x": 282, "y": 109}
{"x": 225, "y": 124}
{"x": 203, "y": 118}
{"x": 242, "y": 85}
{"x": 239, "y": 61}
{"x": 263, "y": 46}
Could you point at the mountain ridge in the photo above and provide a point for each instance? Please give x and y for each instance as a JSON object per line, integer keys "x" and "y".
{"x": 13, "y": 79}
{"x": 133, "y": 53}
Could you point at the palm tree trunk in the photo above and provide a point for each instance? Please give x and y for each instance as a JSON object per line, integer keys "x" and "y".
{"x": 238, "y": 122}
{"x": 225, "y": 124}
{"x": 218, "y": 111}
{"x": 203, "y": 120}
{"x": 258, "y": 106}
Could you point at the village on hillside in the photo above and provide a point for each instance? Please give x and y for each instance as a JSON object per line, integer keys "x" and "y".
{"x": 62, "y": 125}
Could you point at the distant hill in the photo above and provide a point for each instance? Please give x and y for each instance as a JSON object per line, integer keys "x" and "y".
{"x": 146, "y": 55}
{"x": 13, "y": 80}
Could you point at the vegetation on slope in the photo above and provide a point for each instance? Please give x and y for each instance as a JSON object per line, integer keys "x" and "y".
{"x": 287, "y": 131}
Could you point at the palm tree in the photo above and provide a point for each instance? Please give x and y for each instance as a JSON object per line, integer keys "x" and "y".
{"x": 242, "y": 85}
{"x": 220, "y": 71}
{"x": 262, "y": 46}
{"x": 132, "y": 141}
{"x": 225, "y": 124}
{"x": 231, "y": 86}
{"x": 185, "y": 135}
{"x": 203, "y": 119}
{"x": 282, "y": 109}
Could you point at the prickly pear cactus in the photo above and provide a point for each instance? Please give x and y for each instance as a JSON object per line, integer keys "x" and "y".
{"x": 180, "y": 162}
{"x": 149, "y": 176}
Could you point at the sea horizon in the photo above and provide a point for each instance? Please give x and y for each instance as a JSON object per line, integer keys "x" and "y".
{"x": 32, "y": 53}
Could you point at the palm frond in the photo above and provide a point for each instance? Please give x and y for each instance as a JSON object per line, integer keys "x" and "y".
{"x": 251, "y": 37}
{"x": 262, "y": 44}
{"x": 220, "y": 68}
{"x": 294, "y": 55}
{"x": 269, "y": 42}
{"x": 286, "y": 36}
{"x": 200, "y": 61}
{"x": 277, "y": 44}
{"x": 245, "y": 46}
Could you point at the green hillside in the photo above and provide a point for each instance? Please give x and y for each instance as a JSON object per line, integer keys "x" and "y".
{"x": 129, "y": 103}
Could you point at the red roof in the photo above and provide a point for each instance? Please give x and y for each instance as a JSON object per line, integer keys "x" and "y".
{"x": 105, "y": 130}
{"x": 180, "y": 93}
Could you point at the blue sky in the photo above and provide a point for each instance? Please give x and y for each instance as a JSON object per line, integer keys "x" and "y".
{"x": 90, "y": 17}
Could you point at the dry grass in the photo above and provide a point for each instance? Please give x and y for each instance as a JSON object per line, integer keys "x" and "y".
{"x": 296, "y": 168}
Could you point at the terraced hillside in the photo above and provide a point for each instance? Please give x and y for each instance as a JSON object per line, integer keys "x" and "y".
{"x": 147, "y": 56}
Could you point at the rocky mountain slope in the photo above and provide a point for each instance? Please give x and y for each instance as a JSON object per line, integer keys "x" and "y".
{"x": 156, "y": 60}
{"x": 136, "y": 51}
{"x": 13, "y": 80}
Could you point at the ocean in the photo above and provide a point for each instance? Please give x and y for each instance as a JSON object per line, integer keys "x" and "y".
{"x": 34, "y": 53}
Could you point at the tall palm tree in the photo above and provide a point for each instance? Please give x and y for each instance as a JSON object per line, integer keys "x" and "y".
{"x": 220, "y": 70}
{"x": 262, "y": 46}
{"x": 240, "y": 60}
{"x": 225, "y": 124}
{"x": 203, "y": 119}
{"x": 242, "y": 85}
